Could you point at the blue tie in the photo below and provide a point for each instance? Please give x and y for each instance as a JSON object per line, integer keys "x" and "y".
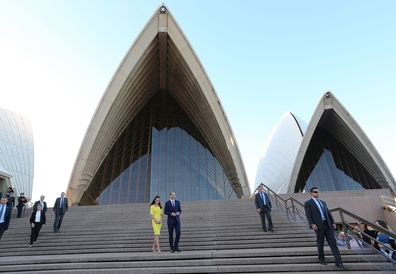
{"x": 263, "y": 197}
{"x": 322, "y": 209}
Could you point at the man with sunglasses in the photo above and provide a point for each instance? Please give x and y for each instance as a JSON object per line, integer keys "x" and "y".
{"x": 322, "y": 222}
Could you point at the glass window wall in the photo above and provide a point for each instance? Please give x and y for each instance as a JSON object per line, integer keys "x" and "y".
{"x": 160, "y": 151}
{"x": 329, "y": 166}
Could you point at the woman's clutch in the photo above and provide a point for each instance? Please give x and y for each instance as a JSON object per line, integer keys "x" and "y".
{"x": 158, "y": 221}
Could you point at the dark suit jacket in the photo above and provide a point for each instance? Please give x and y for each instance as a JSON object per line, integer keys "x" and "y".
{"x": 42, "y": 217}
{"x": 37, "y": 203}
{"x": 7, "y": 216}
{"x": 260, "y": 203}
{"x": 313, "y": 213}
{"x": 172, "y": 209}
{"x": 57, "y": 203}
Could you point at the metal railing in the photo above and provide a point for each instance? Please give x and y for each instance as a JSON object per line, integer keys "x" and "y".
{"x": 389, "y": 203}
{"x": 295, "y": 209}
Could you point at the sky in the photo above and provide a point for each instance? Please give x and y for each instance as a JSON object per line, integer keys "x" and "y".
{"x": 264, "y": 58}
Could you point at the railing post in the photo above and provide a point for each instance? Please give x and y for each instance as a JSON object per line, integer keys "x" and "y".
{"x": 294, "y": 210}
{"x": 345, "y": 230}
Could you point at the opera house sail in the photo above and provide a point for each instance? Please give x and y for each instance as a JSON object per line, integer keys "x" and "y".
{"x": 277, "y": 161}
{"x": 16, "y": 153}
{"x": 335, "y": 154}
{"x": 159, "y": 127}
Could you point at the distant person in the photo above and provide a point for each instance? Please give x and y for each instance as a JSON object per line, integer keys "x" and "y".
{"x": 173, "y": 210}
{"x": 42, "y": 203}
{"x": 263, "y": 207}
{"x": 22, "y": 200}
{"x": 383, "y": 238}
{"x": 156, "y": 221}
{"x": 5, "y": 215}
{"x": 367, "y": 233}
{"x": 322, "y": 222}
{"x": 10, "y": 196}
{"x": 37, "y": 220}
{"x": 60, "y": 208}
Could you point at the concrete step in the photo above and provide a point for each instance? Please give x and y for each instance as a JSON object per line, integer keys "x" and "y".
{"x": 217, "y": 237}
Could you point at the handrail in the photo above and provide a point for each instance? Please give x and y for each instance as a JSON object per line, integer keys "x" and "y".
{"x": 367, "y": 222}
{"x": 342, "y": 212}
{"x": 389, "y": 203}
{"x": 393, "y": 201}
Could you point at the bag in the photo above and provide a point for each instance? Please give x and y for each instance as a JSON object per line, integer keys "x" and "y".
{"x": 158, "y": 221}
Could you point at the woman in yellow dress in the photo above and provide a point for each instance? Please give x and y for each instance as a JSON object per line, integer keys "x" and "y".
{"x": 156, "y": 220}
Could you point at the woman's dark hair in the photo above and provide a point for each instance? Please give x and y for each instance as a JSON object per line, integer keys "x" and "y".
{"x": 10, "y": 188}
{"x": 153, "y": 202}
{"x": 382, "y": 223}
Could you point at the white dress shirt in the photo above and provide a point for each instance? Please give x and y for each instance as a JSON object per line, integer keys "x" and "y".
{"x": 38, "y": 217}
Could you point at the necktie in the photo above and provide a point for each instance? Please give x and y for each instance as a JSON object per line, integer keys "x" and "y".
{"x": 322, "y": 209}
{"x": 263, "y": 197}
{"x": 173, "y": 203}
{"x": 1, "y": 211}
{"x": 61, "y": 203}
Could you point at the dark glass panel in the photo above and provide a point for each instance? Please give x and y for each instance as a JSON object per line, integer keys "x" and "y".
{"x": 328, "y": 165}
{"x": 123, "y": 196}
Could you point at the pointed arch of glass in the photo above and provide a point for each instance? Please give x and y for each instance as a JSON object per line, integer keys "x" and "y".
{"x": 330, "y": 166}
{"x": 161, "y": 150}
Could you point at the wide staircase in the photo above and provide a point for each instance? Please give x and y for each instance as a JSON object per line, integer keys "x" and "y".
{"x": 217, "y": 237}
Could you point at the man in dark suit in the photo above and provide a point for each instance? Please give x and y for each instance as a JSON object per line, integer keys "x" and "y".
{"x": 263, "y": 207}
{"x": 22, "y": 200}
{"x": 42, "y": 203}
{"x": 322, "y": 222}
{"x": 173, "y": 210}
{"x": 5, "y": 215}
{"x": 60, "y": 208}
{"x": 37, "y": 220}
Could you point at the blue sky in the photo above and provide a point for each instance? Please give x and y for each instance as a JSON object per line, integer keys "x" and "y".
{"x": 264, "y": 58}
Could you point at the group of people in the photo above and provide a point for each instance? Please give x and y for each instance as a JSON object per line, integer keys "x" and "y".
{"x": 38, "y": 216}
{"x": 383, "y": 243}
{"x": 22, "y": 200}
{"x": 317, "y": 213}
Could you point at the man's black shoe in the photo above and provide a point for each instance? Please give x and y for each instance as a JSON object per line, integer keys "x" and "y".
{"x": 264, "y": 229}
{"x": 323, "y": 262}
{"x": 178, "y": 250}
{"x": 271, "y": 230}
{"x": 172, "y": 250}
{"x": 340, "y": 266}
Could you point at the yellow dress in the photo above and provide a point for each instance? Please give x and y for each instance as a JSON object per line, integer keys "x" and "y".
{"x": 156, "y": 212}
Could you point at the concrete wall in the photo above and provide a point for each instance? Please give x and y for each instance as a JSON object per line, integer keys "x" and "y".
{"x": 364, "y": 203}
{"x": 391, "y": 219}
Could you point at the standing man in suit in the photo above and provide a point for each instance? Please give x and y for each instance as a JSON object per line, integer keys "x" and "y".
{"x": 37, "y": 220}
{"x": 42, "y": 203}
{"x": 5, "y": 215}
{"x": 173, "y": 210}
{"x": 322, "y": 222}
{"x": 263, "y": 207}
{"x": 60, "y": 208}
{"x": 22, "y": 200}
